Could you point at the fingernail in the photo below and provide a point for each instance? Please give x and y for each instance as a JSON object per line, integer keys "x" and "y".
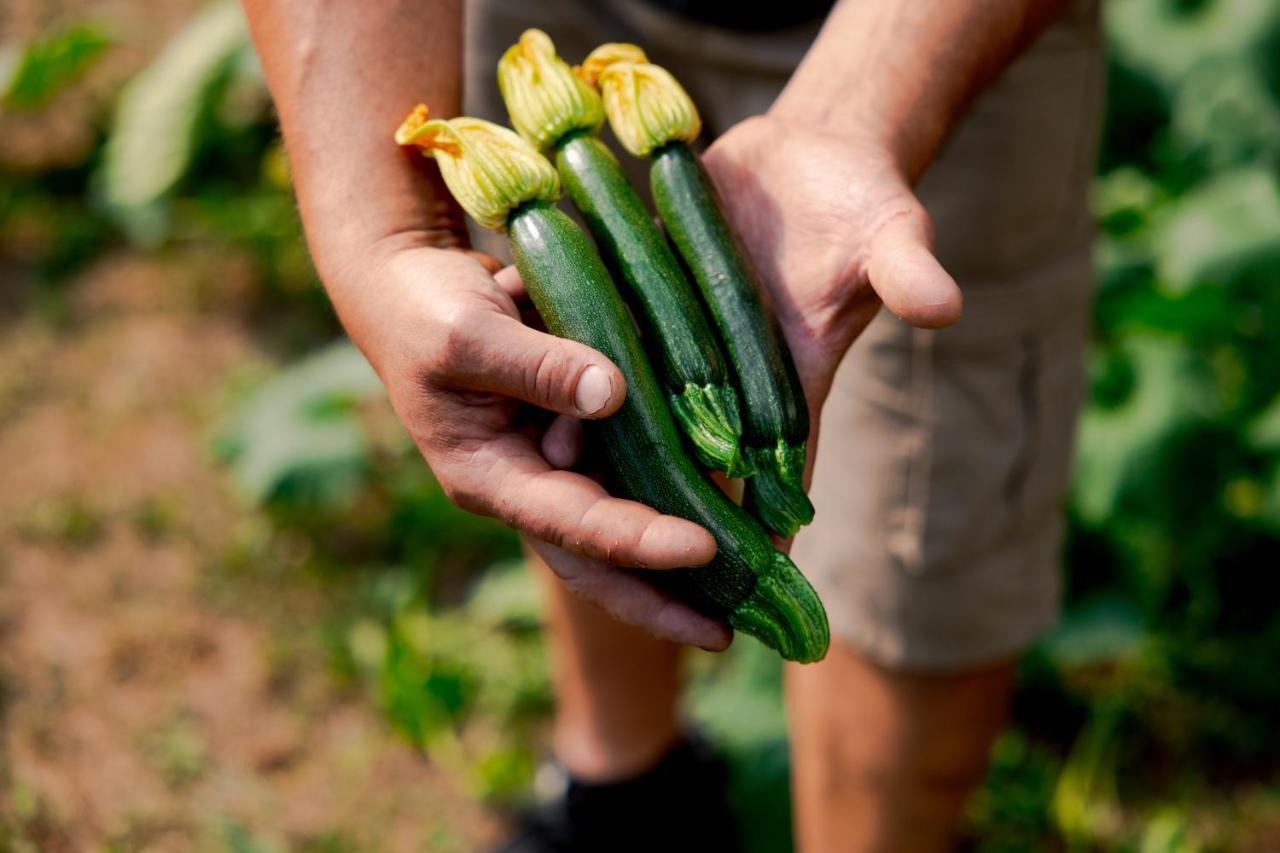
{"x": 593, "y": 390}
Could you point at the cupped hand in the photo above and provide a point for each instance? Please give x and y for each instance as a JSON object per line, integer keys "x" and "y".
{"x": 467, "y": 377}
{"x": 835, "y": 231}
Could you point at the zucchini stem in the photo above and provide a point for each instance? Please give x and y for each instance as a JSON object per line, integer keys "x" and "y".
{"x": 775, "y": 493}
{"x": 785, "y": 613}
{"x": 709, "y": 416}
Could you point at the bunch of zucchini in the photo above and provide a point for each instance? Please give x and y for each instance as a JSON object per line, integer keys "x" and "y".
{"x": 504, "y": 183}
{"x": 653, "y": 116}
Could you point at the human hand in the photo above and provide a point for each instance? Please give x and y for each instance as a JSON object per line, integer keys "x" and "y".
{"x": 463, "y": 372}
{"x": 835, "y": 232}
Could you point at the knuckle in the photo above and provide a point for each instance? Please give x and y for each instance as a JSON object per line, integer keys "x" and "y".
{"x": 599, "y": 536}
{"x": 452, "y": 344}
{"x": 547, "y": 377}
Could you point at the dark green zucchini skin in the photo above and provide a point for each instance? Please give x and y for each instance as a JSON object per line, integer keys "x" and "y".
{"x": 775, "y": 416}
{"x": 755, "y": 588}
{"x": 690, "y": 363}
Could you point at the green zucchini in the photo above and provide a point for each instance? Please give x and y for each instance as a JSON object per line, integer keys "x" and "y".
{"x": 653, "y": 116}
{"x": 497, "y": 175}
{"x": 556, "y": 111}
{"x": 697, "y": 382}
{"x": 758, "y": 589}
{"x": 777, "y": 418}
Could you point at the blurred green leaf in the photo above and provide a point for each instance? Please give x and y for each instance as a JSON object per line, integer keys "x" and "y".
{"x": 1136, "y": 112}
{"x": 32, "y": 76}
{"x": 739, "y": 701}
{"x": 298, "y": 431}
{"x": 1086, "y": 801}
{"x": 1223, "y": 112}
{"x": 506, "y": 597}
{"x": 1169, "y": 38}
{"x": 1120, "y": 446}
{"x": 1221, "y": 228}
{"x": 1012, "y": 810}
{"x": 1124, "y": 199}
{"x": 1169, "y": 831}
{"x": 1264, "y": 432}
{"x": 154, "y": 133}
{"x": 1106, "y": 631}
{"x": 504, "y": 774}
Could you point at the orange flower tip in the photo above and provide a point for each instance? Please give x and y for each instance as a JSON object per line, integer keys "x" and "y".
{"x": 530, "y": 41}
{"x": 604, "y": 56}
{"x": 409, "y": 128}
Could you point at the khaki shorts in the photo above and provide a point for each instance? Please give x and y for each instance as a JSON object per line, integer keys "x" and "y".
{"x": 942, "y": 464}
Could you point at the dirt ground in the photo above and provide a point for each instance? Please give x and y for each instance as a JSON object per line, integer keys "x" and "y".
{"x": 150, "y": 699}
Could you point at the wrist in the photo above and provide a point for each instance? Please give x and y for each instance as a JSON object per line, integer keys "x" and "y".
{"x": 348, "y": 222}
{"x": 865, "y": 131}
{"x": 852, "y": 141}
{"x": 384, "y": 293}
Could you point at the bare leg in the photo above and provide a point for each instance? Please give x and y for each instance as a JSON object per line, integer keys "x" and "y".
{"x": 884, "y": 760}
{"x": 616, "y": 688}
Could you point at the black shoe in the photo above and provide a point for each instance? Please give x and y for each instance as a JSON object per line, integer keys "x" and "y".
{"x": 678, "y": 805}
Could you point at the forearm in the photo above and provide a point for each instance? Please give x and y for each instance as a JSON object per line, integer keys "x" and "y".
{"x": 897, "y": 75}
{"x": 343, "y": 75}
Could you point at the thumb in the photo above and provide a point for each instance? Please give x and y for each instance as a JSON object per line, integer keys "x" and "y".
{"x": 908, "y": 278}
{"x": 506, "y": 357}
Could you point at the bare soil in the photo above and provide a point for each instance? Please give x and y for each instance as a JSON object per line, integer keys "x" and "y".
{"x": 150, "y": 698}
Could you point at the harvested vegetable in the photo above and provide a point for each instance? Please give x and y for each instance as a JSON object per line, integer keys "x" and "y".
{"x": 505, "y": 184}
{"x": 556, "y": 111}
{"x": 653, "y": 116}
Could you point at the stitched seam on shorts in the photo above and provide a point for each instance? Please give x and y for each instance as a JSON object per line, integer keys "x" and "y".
{"x": 909, "y": 544}
{"x": 1028, "y": 453}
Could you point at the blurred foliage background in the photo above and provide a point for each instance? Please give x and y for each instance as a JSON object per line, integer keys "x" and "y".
{"x": 1147, "y": 722}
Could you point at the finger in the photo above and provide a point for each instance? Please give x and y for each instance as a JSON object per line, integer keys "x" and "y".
{"x": 629, "y": 599}
{"x": 908, "y": 278}
{"x": 508, "y": 278}
{"x": 507, "y": 478}
{"x": 498, "y": 353}
{"x": 562, "y": 442}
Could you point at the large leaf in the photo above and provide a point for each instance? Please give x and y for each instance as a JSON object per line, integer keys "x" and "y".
{"x": 1120, "y": 446}
{"x": 299, "y": 430}
{"x": 33, "y": 76}
{"x": 1225, "y": 226}
{"x": 1223, "y": 112}
{"x": 154, "y": 133}
{"x": 1168, "y": 39}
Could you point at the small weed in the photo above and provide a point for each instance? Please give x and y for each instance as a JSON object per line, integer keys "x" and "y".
{"x": 178, "y": 750}
{"x": 157, "y": 519}
{"x": 67, "y": 522}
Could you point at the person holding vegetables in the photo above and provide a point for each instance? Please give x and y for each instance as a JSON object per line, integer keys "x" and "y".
{"x": 845, "y": 135}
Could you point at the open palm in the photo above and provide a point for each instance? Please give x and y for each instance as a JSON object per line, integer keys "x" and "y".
{"x": 835, "y": 232}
